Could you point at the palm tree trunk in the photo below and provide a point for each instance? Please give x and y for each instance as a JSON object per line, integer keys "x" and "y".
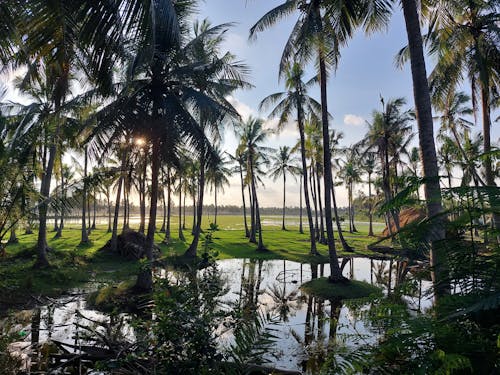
{"x": 253, "y": 230}
{"x": 181, "y": 235}
{"x": 247, "y": 234}
{"x": 315, "y": 202}
{"x": 301, "y": 229}
{"x": 322, "y": 239}
{"x": 95, "y": 209}
{"x": 145, "y": 277}
{"x": 370, "y": 206}
{"x": 63, "y": 197}
{"x": 260, "y": 246}
{"x": 439, "y": 261}
{"x": 284, "y": 201}
{"x": 191, "y": 251}
{"x": 164, "y": 202}
{"x": 335, "y": 271}
{"x": 85, "y": 235}
{"x": 345, "y": 245}
{"x": 142, "y": 225}
{"x": 194, "y": 214}
{"x": 169, "y": 206}
{"x": 490, "y": 178}
{"x": 184, "y": 213}
{"x": 215, "y": 201}
{"x": 114, "y": 233}
{"x": 300, "y": 122}
{"x": 109, "y": 209}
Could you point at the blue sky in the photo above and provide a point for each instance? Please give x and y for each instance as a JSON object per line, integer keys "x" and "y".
{"x": 366, "y": 71}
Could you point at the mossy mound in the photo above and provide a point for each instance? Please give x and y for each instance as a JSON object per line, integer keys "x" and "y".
{"x": 109, "y": 297}
{"x": 351, "y": 289}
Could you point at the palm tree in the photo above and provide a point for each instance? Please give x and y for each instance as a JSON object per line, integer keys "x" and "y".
{"x": 385, "y": 133}
{"x": 251, "y": 134}
{"x": 240, "y": 160}
{"x": 217, "y": 175}
{"x": 465, "y": 38}
{"x": 323, "y": 26}
{"x": 423, "y": 110}
{"x": 368, "y": 165}
{"x": 296, "y": 99}
{"x": 350, "y": 174}
{"x": 225, "y": 76}
{"x": 282, "y": 163}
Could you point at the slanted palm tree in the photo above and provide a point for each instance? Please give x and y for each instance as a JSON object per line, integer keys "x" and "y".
{"x": 296, "y": 99}
{"x": 282, "y": 163}
{"x": 252, "y": 134}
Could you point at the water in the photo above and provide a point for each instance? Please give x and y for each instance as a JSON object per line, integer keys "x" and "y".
{"x": 304, "y": 324}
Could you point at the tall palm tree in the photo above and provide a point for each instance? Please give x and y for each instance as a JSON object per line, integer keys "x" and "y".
{"x": 282, "y": 163}
{"x": 296, "y": 99}
{"x": 322, "y": 27}
{"x": 252, "y": 134}
{"x": 225, "y": 76}
{"x": 423, "y": 110}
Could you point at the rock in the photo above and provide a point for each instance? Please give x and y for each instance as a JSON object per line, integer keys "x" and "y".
{"x": 406, "y": 216}
{"x": 21, "y": 350}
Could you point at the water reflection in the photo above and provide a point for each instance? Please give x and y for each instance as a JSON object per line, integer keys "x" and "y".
{"x": 308, "y": 328}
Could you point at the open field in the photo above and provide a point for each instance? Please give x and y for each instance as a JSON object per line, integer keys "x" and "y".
{"x": 74, "y": 264}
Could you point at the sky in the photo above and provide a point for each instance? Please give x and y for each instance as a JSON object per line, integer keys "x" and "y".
{"x": 366, "y": 71}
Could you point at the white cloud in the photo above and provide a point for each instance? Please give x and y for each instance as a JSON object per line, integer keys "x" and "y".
{"x": 353, "y": 120}
{"x": 243, "y": 109}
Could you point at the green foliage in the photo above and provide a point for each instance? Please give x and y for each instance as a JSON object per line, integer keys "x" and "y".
{"x": 187, "y": 316}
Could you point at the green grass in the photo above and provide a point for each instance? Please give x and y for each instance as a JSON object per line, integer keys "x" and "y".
{"x": 73, "y": 264}
{"x": 353, "y": 289}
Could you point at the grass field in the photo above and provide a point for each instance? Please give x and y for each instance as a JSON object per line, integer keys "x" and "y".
{"x": 72, "y": 263}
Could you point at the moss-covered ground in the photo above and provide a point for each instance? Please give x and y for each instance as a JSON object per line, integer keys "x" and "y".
{"x": 73, "y": 264}
{"x": 352, "y": 289}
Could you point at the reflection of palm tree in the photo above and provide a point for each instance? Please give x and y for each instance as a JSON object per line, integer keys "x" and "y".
{"x": 284, "y": 302}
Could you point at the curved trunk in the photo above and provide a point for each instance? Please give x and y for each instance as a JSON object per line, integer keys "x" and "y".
{"x": 164, "y": 202}
{"x": 300, "y": 123}
{"x": 439, "y": 261}
{"x": 253, "y": 237}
